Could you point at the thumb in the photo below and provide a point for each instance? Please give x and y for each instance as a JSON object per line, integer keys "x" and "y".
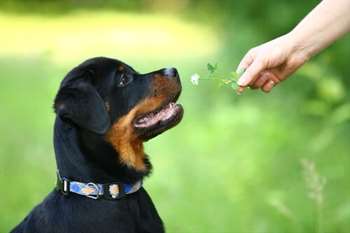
{"x": 252, "y": 72}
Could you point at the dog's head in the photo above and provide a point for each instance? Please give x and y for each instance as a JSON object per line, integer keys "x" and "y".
{"x": 109, "y": 98}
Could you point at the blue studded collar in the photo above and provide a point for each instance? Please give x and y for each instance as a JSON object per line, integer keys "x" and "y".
{"x": 112, "y": 191}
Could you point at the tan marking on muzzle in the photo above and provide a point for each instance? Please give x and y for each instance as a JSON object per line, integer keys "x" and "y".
{"x": 165, "y": 86}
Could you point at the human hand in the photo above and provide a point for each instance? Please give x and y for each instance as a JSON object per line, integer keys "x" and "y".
{"x": 268, "y": 64}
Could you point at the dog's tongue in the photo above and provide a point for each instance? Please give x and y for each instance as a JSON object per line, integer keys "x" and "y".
{"x": 154, "y": 117}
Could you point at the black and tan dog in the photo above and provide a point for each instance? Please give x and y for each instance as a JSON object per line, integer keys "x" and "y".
{"x": 105, "y": 111}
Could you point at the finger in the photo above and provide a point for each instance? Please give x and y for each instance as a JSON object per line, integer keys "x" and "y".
{"x": 274, "y": 76}
{"x": 259, "y": 82}
{"x": 251, "y": 74}
{"x": 240, "y": 90}
{"x": 284, "y": 72}
{"x": 268, "y": 86}
{"x": 269, "y": 74}
{"x": 245, "y": 62}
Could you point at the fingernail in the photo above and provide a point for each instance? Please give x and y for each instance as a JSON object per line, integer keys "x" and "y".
{"x": 240, "y": 70}
{"x": 239, "y": 90}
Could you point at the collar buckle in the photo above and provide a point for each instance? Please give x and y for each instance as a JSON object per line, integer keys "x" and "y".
{"x": 62, "y": 185}
{"x": 65, "y": 186}
{"x": 96, "y": 193}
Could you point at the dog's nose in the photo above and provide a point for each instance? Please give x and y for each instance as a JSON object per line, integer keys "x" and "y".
{"x": 170, "y": 72}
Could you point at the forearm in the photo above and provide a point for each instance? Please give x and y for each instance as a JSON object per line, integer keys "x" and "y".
{"x": 326, "y": 23}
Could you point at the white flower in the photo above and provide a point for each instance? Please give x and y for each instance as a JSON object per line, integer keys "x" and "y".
{"x": 195, "y": 79}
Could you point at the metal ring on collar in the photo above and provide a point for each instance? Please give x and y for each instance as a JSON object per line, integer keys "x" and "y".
{"x": 94, "y": 186}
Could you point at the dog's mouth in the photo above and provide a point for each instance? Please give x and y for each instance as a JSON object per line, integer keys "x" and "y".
{"x": 154, "y": 123}
{"x": 166, "y": 113}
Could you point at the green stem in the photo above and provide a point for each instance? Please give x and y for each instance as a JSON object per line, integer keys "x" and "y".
{"x": 231, "y": 80}
{"x": 319, "y": 228}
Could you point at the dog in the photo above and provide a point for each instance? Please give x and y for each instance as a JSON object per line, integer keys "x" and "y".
{"x": 105, "y": 111}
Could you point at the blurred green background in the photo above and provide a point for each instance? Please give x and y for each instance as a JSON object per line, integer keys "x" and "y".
{"x": 233, "y": 164}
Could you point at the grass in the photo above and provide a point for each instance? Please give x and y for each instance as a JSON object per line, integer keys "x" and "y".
{"x": 232, "y": 165}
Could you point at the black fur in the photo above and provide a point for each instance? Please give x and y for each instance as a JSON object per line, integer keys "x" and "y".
{"x": 91, "y": 98}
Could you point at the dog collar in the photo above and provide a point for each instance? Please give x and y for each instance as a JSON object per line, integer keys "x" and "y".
{"x": 111, "y": 191}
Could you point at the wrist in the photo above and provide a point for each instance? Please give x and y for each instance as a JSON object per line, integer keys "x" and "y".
{"x": 299, "y": 46}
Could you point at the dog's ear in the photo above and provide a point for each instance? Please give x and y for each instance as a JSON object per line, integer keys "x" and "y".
{"x": 80, "y": 103}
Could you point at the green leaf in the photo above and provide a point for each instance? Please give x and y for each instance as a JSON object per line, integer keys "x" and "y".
{"x": 234, "y": 85}
{"x": 212, "y": 68}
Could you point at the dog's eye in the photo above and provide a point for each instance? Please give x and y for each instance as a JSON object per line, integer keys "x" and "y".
{"x": 124, "y": 80}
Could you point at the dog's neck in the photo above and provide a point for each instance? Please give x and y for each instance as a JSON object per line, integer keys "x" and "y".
{"x": 87, "y": 157}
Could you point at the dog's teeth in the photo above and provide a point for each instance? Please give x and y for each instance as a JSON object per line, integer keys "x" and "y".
{"x": 153, "y": 118}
